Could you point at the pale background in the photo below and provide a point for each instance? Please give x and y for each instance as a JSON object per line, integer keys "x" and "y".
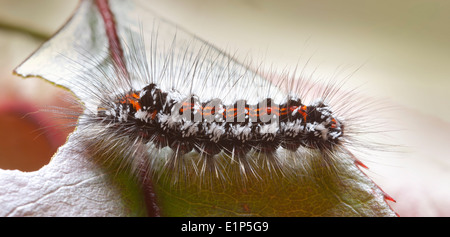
{"x": 402, "y": 50}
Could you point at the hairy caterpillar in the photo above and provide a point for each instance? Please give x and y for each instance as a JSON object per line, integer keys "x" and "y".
{"x": 171, "y": 107}
{"x": 181, "y": 109}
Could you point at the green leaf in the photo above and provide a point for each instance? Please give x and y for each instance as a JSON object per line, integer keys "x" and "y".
{"x": 320, "y": 190}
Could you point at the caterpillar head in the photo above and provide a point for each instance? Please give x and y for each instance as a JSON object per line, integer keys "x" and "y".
{"x": 323, "y": 129}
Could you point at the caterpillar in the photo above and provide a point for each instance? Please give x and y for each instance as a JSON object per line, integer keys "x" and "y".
{"x": 182, "y": 101}
{"x": 163, "y": 105}
{"x": 152, "y": 114}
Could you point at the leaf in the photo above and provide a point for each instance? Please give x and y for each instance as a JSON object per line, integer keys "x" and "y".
{"x": 68, "y": 186}
{"x": 344, "y": 191}
{"x": 72, "y": 185}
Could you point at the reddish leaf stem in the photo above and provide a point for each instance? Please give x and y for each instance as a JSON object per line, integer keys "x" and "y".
{"x": 115, "y": 47}
{"x": 117, "y": 56}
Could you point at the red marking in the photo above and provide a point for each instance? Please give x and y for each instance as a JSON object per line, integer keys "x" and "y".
{"x": 302, "y": 111}
{"x": 358, "y": 162}
{"x": 115, "y": 47}
{"x": 387, "y": 197}
{"x": 132, "y": 99}
{"x": 333, "y": 125}
{"x": 136, "y": 105}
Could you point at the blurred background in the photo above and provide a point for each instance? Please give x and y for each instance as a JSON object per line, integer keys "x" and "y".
{"x": 28, "y": 138}
{"x": 401, "y": 50}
